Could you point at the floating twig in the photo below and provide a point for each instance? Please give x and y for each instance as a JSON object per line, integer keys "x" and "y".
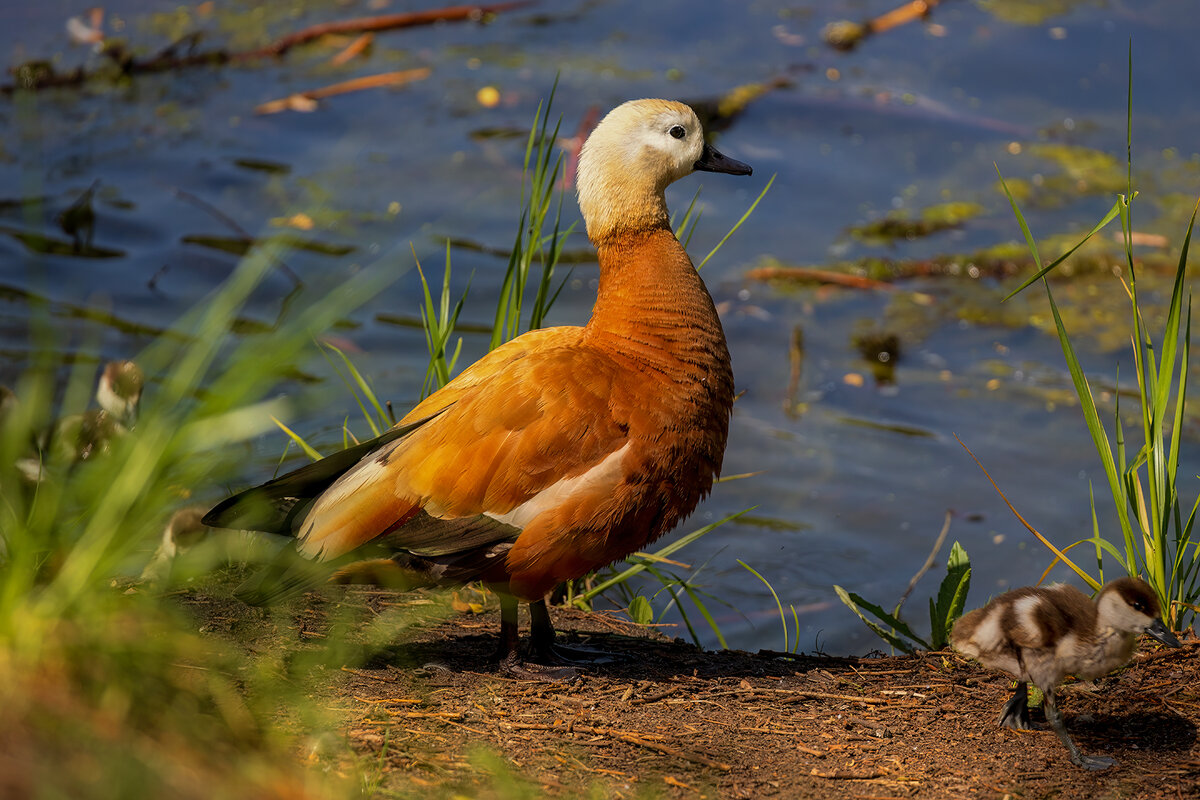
{"x": 37, "y": 75}
{"x": 384, "y": 22}
{"x": 307, "y": 101}
{"x": 846, "y": 35}
{"x": 353, "y": 50}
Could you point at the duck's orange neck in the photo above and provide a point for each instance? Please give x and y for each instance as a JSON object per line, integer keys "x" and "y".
{"x": 653, "y": 307}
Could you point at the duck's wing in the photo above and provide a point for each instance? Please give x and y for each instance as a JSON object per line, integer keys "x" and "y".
{"x": 529, "y": 431}
{"x": 277, "y": 505}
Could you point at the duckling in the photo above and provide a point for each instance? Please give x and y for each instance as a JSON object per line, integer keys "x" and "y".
{"x": 563, "y": 450}
{"x": 119, "y": 391}
{"x": 1041, "y": 635}
{"x": 77, "y": 437}
{"x": 190, "y": 547}
{"x": 183, "y": 530}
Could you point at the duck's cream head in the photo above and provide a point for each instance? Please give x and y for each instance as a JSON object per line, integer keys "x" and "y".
{"x": 636, "y": 151}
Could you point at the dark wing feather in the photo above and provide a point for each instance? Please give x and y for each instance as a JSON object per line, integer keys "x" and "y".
{"x": 274, "y": 506}
{"x": 424, "y": 535}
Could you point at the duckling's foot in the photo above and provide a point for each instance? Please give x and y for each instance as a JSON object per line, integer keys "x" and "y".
{"x": 1094, "y": 762}
{"x": 1015, "y": 713}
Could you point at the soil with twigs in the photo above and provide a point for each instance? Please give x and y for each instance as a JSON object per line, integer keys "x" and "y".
{"x": 668, "y": 719}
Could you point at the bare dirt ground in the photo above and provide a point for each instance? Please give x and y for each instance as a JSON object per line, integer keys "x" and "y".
{"x": 670, "y": 720}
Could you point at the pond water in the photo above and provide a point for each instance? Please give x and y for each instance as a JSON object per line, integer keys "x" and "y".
{"x": 854, "y": 476}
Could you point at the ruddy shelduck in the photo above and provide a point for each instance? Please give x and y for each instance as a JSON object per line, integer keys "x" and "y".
{"x": 1041, "y": 635}
{"x": 565, "y": 449}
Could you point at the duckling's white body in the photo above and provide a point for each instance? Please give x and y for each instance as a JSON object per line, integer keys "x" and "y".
{"x": 1040, "y": 636}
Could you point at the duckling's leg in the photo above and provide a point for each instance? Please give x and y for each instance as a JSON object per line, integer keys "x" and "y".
{"x": 1015, "y": 713}
{"x": 1056, "y": 722}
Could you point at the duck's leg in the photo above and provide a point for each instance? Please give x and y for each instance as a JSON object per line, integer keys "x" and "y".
{"x": 1056, "y": 722}
{"x": 541, "y": 641}
{"x": 1015, "y": 713}
{"x": 509, "y": 652}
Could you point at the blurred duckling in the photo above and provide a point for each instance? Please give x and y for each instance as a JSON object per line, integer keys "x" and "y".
{"x": 1041, "y": 635}
{"x": 77, "y": 437}
{"x": 119, "y": 390}
{"x": 183, "y": 531}
{"x": 189, "y": 548}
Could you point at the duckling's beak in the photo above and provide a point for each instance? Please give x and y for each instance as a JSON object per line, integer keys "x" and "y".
{"x": 711, "y": 160}
{"x": 1160, "y": 632}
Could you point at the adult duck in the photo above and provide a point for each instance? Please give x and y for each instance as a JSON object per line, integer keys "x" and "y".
{"x": 561, "y": 451}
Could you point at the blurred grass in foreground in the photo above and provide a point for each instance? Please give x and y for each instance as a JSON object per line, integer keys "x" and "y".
{"x": 110, "y": 693}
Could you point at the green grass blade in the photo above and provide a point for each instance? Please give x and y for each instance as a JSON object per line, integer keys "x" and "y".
{"x": 694, "y": 596}
{"x": 308, "y": 449}
{"x": 1012, "y": 201}
{"x": 663, "y": 552}
{"x": 737, "y": 224}
{"x": 360, "y": 388}
{"x": 1041, "y": 273}
{"x": 778, "y": 603}
{"x": 1092, "y": 418}
{"x": 853, "y": 602}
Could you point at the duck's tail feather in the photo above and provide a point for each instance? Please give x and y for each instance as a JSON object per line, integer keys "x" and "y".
{"x": 277, "y": 505}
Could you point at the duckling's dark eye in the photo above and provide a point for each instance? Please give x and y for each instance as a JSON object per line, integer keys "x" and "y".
{"x": 677, "y": 131}
{"x": 1138, "y": 605}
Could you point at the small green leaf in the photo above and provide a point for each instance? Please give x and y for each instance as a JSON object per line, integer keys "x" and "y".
{"x": 640, "y": 611}
{"x": 952, "y": 596}
{"x": 854, "y": 602}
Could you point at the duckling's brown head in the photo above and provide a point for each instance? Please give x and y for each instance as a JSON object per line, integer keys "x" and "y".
{"x": 1130, "y": 605}
{"x": 636, "y": 151}
{"x": 119, "y": 390}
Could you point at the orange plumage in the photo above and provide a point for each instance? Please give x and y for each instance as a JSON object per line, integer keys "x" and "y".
{"x": 567, "y": 448}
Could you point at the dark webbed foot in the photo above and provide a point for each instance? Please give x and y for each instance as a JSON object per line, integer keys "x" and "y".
{"x": 509, "y": 653}
{"x": 1094, "y": 762}
{"x": 1056, "y": 722}
{"x": 544, "y": 649}
{"x": 1015, "y": 713}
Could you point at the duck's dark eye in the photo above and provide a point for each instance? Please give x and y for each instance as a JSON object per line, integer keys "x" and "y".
{"x": 677, "y": 131}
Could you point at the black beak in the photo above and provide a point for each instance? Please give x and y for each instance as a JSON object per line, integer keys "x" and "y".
{"x": 1160, "y": 632}
{"x": 711, "y": 160}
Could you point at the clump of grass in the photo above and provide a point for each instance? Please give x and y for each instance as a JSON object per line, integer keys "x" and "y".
{"x": 1156, "y": 535}
{"x": 108, "y": 692}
